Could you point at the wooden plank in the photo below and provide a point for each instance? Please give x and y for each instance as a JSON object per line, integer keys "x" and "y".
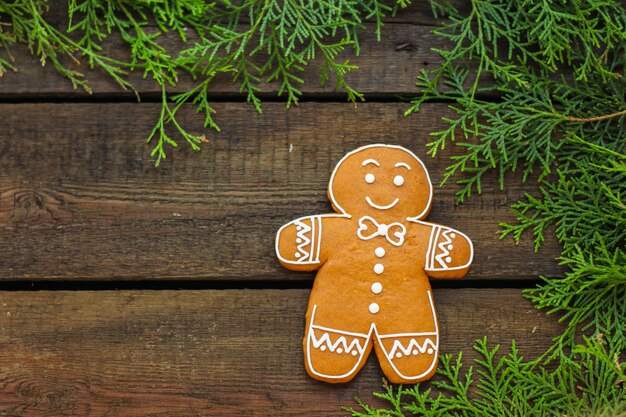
{"x": 198, "y": 353}
{"x": 420, "y": 13}
{"x": 384, "y": 68}
{"x": 80, "y": 198}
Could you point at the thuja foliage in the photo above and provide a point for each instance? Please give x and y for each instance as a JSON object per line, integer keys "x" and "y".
{"x": 507, "y": 385}
{"x": 252, "y": 41}
{"x": 538, "y": 87}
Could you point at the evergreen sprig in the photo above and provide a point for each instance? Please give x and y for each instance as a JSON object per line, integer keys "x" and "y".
{"x": 23, "y": 22}
{"x": 255, "y": 41}
{"x": 499, "y": 50}
{"x": 591, "y": 382}
{"x": 546, "y": 98}
{"x": 591, "y": 298}
{"x": 538, "y": 86}
{"x": 584, "y": 201}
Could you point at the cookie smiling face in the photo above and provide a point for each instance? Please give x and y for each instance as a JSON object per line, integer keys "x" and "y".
{"x": 381, "y": 181}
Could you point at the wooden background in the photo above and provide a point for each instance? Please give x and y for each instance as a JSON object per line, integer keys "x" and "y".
{"x": 127, "y": 290}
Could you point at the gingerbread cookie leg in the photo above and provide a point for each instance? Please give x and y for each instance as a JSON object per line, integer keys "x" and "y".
{"x": 409, "y": 357}
{"x": 334, "y": 355}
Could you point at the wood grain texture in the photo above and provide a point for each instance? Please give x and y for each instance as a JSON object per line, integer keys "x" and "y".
{"x": 80, "y": 198}
{"x": 206, "y": 353}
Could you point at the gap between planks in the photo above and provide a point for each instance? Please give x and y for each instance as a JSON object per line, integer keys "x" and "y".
{"x": 241, "y": 284}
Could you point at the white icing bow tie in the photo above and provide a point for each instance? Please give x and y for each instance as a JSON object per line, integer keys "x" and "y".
{"x": 370, "y": 228}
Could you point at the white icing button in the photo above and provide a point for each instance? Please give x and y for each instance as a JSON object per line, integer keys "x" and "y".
{"x": 374, "y": 308}
{"x": 380, "y": 252}
{"x": 448, "y": 259}
{"x": 430, "y": 351}
{"x": 377, "y": 287}
{"x": 379, "y": 268}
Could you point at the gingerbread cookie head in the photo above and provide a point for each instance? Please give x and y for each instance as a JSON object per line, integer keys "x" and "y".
{"x": 383, "y": 181}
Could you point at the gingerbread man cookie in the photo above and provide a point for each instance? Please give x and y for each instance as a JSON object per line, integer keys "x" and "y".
{"x": 374, "y": 257}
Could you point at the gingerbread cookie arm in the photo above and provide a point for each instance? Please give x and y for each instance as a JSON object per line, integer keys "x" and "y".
{"x": 450, "y": 253}
{"x": 299, "y": 243}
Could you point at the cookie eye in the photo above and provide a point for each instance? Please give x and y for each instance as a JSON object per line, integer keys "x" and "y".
{"x": 398, "y": 180}
{"x": 369, "y": 178}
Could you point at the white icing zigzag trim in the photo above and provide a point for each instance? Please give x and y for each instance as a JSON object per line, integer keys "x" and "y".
{"x": 311, "y": 340}
{"x": 341, "y": 344}
{"x": 308, "y": 256}
{"x": 308, "y": 240}
{"x": 434, "y": 335}
{"x": 442, "y": 261}
{"x": 414, "y": 348}
{"x": 301, "y": 234}
{"x": 311, "y": 337}
{"x": 442, "y": 258}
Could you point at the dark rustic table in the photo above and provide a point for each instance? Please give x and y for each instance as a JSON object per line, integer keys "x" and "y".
{"x": 128, "y": 290}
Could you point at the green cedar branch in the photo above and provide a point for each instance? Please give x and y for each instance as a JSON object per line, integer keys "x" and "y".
{"x": 277, "y": 43}
{"x": 558, "y": 70}
{"x": 588, "y": 383}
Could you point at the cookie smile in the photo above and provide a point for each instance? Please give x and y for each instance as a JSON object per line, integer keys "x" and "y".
{"x": 376, "y": 206}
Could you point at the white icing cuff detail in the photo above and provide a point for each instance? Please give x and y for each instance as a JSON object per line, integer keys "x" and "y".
{"x": 413, "y": 347}
{"x": 308, "y": 240}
